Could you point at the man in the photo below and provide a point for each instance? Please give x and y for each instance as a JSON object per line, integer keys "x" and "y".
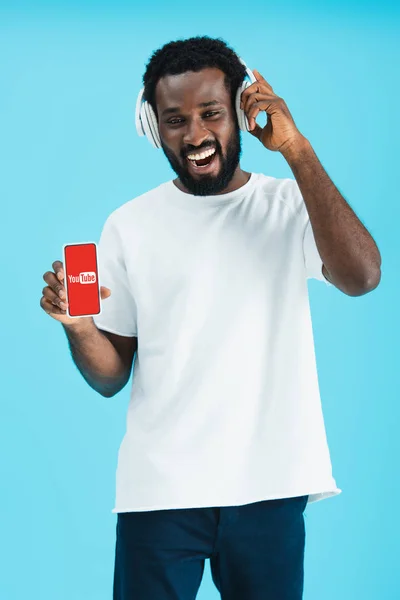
{"x": 206, "y": 282}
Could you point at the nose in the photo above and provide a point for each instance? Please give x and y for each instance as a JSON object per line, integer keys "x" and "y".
{"x": 195, "y": 133}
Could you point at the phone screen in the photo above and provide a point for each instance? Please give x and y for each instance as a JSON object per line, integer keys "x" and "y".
{"x": 81, "y": 279}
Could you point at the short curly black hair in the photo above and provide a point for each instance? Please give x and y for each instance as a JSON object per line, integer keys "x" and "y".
{"x": 193, "y": 54}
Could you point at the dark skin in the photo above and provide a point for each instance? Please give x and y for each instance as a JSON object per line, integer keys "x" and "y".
{"x": 351, "y": 258}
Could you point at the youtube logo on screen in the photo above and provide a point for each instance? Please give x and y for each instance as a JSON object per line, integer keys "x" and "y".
{"x": 84, "y": 277}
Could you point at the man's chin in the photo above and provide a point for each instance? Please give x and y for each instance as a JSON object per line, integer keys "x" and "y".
{"x": 203, "y": 185}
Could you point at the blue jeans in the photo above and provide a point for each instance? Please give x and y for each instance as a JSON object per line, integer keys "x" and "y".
{"x": 256, "y": 551}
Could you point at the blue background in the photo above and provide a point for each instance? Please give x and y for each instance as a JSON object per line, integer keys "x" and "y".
{"x": 70, "y": 75}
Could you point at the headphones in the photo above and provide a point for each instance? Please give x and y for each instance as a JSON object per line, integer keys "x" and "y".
{"x": 146, "y": 120}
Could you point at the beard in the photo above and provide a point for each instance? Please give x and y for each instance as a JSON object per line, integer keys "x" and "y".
{"x": 207, "y": 185}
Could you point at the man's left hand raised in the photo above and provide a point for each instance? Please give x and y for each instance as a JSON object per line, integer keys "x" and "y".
{"x": 280, "y": 131}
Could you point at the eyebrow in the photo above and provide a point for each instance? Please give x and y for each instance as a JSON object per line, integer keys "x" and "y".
{"x": 175, "y": 109}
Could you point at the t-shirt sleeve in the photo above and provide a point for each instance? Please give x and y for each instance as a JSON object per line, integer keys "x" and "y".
{"x": 118, "y": 311}
{"x": 312, "y": 259}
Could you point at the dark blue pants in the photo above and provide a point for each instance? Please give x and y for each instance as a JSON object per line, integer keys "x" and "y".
{"x": 256, "y": 551}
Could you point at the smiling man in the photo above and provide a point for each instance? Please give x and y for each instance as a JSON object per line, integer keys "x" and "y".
{"x": 203, "y": 169}
{"x": 205, "y": 279}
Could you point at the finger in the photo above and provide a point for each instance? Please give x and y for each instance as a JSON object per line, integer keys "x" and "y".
{"x": 257, "y": 131}
{"x": 51, "y": 280}
{"x": 104, "y": 292}
{"x": 52, "y": 297}
{"x": 252, "y": 114}
{"x": 49, "y": 308}
{"x": 262, "y": 80}
{"x": 254, "y": 110}
{"x": 256, "y": 88}
{"x": 58, "y": 269}
{"x": 254, "y": 101}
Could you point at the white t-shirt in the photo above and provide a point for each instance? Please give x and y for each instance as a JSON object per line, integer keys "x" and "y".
{"x": 225, "y": 406}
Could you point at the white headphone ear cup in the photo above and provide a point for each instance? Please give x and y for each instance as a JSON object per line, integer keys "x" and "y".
{"x": 153, "y": 125}
{"x": 242, "y": 119}
{"x": 145, "y": 124}
{"x": 138, "y": 119}
{"x": 144, "y": 113}
{"x": 146, "y": 121}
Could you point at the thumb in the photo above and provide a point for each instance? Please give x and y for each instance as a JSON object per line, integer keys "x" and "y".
{"x": 104, "y": 292}
{"x": 256, "y": 131}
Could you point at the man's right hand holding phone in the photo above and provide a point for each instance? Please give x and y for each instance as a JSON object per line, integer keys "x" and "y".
{"x": 54, "y": 298}
{"x": 104, "y": 359}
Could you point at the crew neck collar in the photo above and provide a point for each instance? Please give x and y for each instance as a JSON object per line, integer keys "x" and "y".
{"x": 185, "y": 199}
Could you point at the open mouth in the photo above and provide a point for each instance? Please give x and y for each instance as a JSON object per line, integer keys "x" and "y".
{"x": 202, "y": 159}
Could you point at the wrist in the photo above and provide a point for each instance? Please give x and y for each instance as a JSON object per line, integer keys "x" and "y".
{"x": 81, "y": 325}
{"x": 297, "y": 149}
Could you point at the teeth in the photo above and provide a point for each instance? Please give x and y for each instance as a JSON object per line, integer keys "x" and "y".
{"x": 202, "y": 154}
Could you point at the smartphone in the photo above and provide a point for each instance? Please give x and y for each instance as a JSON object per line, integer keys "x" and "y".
{"x": 81, "y": 279}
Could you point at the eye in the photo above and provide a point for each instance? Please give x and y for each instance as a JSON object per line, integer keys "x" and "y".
{"x": 208, "y": 115}
{"x": 211, "y": 113}
{"x": 174, "y": 121}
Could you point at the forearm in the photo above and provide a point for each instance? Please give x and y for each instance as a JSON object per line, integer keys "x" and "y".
{"x": 348, "y": 251}
{"x": 96, "y": 358}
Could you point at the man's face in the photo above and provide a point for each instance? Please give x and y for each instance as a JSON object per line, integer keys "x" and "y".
{"x": 195, "y": 115}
